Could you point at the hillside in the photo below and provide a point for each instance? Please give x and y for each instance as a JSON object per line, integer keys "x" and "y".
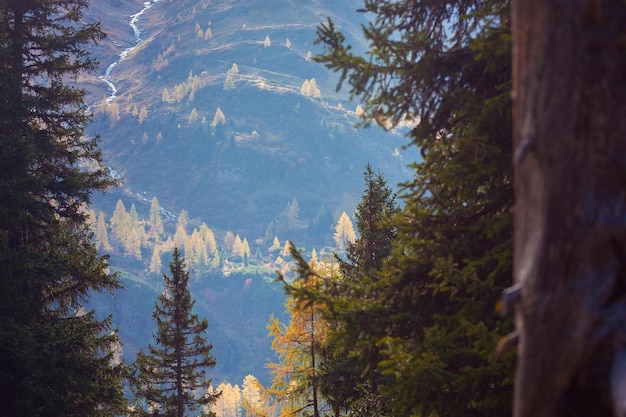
{"x": 216, "y": 108}
{"x": 274, "y": 143}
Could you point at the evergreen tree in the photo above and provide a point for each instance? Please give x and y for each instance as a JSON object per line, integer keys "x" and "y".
{"x": 55, "y": 358}
{"x": 169, "y": 376}
{"x": 365, "y": 255}
{"x": 448, "y": 65}
{"x": 348, "y": 375}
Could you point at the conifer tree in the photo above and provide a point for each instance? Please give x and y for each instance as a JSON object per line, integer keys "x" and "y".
{"x": 348, "y": 375}
{"x": 169, "y": 376}
{"x": 448, "y": 65}
{"x": 251, "y": 395}
{"x": 155, "y": 221}
{"x": 102, "y": 236}
{"x": 119, "y": 222}
{"x": 55, "y": 357}
{"x": 229, "y": 402}
{"x": 143, "y": 115}
{"x": 295, "y": 385}
{"x": 183, "y": 220}
{"x": 155, "y": 260}
{"x": 218, "y": 118}
{"x": 344, "y": 232}
{"x": 365, "y": 255}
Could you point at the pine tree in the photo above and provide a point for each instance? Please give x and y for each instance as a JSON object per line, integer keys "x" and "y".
{"x": 365, "y": 255}
{"x": 448, "y": 65}
{"x": 55, "y": 358}
{"x": 169, "y": 376}
{"x": 348, "y": 375}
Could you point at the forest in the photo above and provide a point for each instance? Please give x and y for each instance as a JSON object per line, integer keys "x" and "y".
{"x": 406, "y": 310}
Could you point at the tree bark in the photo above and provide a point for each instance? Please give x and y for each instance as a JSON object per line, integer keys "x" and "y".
{"x": 569, "y": 90}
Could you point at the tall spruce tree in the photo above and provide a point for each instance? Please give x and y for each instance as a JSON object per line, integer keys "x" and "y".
{"x": 348, "y": 375}
{"x": 55, "y": 358}
{"x": 171, "y": 378}
{"x": 447, "y": 66}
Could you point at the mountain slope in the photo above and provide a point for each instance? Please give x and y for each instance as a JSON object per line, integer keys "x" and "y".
{"x": 275, "y": 144}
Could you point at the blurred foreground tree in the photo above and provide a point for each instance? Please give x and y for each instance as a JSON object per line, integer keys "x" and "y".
{"x": 570, "y": 213}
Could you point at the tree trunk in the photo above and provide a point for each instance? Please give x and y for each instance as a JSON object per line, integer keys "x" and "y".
{"x": 569, "y": 82}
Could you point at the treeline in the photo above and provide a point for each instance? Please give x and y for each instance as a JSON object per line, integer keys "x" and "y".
{"x": 148, "y": 240}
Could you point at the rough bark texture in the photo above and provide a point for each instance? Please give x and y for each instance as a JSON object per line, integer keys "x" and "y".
{"x": 570, "y": 214}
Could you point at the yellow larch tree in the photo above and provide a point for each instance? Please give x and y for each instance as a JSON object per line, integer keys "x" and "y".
{"x": 344, "y": 232}
{"x": 294, "y": 390}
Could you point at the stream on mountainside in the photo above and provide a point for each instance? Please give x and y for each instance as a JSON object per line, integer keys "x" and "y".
{"x": 107, "y": 78}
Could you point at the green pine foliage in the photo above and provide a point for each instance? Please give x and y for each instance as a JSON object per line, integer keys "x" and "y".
{"x": 349, "y": 375}
{"x": 55, "y": 358}
{"x": 171, "y": 379}
{"x": 424, "y": 322}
